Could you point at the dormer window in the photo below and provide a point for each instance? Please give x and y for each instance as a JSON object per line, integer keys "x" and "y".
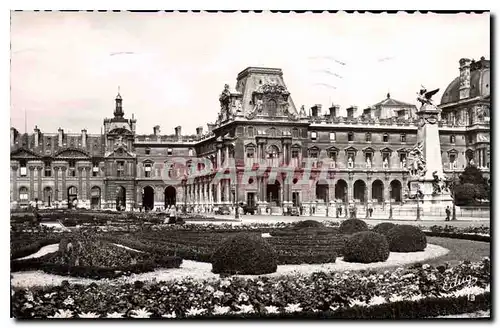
{"x": 350, "y": 136}
{"x": 385, "y": 138}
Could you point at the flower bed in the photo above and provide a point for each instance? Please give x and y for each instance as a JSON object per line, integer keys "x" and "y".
{"x": 403, "y": 293}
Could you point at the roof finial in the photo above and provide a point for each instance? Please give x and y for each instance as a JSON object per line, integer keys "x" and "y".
{"x": 388, "y": 95}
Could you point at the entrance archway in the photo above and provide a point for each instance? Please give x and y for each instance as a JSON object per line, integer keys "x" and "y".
{"x": 121, "y": 196}
{"x": 148, "y": 198}
{"x": 360, "y": 190}
{"x": 378, "y": 191}
{"x": 170, "y": 196}
{"x": 341, "y": 190}
{"x": 273, "y": 193}
{"x": 95, "y": 198}
{"x": 322, "y": 190}
{"x": 47, "y": 196}
{"x": 72, "y": 196}
{"x": 396, "y": 190}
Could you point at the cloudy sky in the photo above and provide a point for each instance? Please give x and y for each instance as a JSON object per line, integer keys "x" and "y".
{"x": 171, "y": 67}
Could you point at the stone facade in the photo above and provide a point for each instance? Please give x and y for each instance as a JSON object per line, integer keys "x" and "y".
{"x": 281, "y": 155}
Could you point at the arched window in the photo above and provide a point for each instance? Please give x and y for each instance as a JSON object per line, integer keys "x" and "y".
{"x": 23, "y": 194}
{"x": 250, "y": 151}
{"x": 272, "y": 152}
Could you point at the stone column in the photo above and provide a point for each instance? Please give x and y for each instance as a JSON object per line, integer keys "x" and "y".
{"x": 387, "y": 186}
{"x": 56, "y": 181}
{"x": 369, "y": 188}
{"x": 32, "y": 182}
{"x": 226, "y": 156}
{"x": 219, "y": 192}
{"x": 350, "y": 188}
{"x": 80, "y": 184}
{"x": 64, "y": 191}
{"x": 14, "y": 167}
{"x": 264, "y": 189}
{"x": 87, "y": 181}
{"x": 219, "y": 155}
{"x": 39, "y": 182}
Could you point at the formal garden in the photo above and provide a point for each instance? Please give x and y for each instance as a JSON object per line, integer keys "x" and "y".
{"x": 116, "y": 265}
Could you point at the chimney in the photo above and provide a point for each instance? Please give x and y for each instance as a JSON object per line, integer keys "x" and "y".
{"x": 316, "y": 110}
{"x": 156, "y": 130}
{"x": 84, "y": 138}
{"x": 199, "y": 131}
{"x": 210, "y": 127}
{"x": 178, "y": 131}
{"x": 60, "y": 140}
{"x": 351, "y": 111}
{"x": 37, "y": 135}
{"x": 333, "y": 111}
{"x": 12, "y": 136}
{"x": 464, "y": 78}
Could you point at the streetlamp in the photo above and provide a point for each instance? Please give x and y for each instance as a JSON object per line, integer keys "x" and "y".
{"x": 390, "y": 202}
{"x": 237, "y": 207}
{"x": 417, "y": 197}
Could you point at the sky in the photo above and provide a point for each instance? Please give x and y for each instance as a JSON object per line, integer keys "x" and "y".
{"x": 171, "y": 67}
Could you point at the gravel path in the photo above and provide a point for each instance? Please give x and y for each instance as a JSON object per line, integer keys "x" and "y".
{"x": 42, "y": 251}
{"x": 201, "y": 271}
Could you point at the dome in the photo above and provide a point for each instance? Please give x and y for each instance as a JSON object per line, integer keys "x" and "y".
{"x": 479, "y": 83}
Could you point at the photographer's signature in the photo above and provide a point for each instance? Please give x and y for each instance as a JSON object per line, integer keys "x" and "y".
{"x": 469, "y": 281}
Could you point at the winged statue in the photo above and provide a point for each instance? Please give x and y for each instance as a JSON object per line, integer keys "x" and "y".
{"x": 425, "y": 97}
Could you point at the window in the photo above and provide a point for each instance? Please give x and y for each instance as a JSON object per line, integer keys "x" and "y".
{"x": 402, "y": 160}
{"x": 332, "y": 136}
{"x": 47, "y": 170}
{"x": 295, "y": 133}
{"x": 147, "y": 151}
{"x": 452, "y": 158}
{"x": 452, "y": 138}
{"x": 251, "y": 131}
{"x": 190, "y": 152}
{"x": 350, "y": 136}
{"x": 368, "y": 137}
{"x": 147, "y": 170}
{"x": 314, "y": 135}
{"x": 23, "y": 193}
{"x": 72, "y": 170}
{"x": 120, "y": 170}
{"x": 95, "y": 169}
{"x": 385, "y": 138}
{"x": 23, "y": 168}
{"x": 295, "y": 153}
{"x": 313, "y": 153}
{"x": 271, "y": 107}
{"x": 470, "y": 138}
{"x": 403, "y": 138}
{"x": 272, "y": 152}
{"x": 169, "y": 151}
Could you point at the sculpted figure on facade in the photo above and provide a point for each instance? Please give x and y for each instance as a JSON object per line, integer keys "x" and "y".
{"x": 418, "y": 165}
{"x": 225, "y": 99}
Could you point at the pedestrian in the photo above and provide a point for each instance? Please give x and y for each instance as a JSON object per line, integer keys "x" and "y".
{"x": 371, "y": 211}
{"x": 448, "y": 212}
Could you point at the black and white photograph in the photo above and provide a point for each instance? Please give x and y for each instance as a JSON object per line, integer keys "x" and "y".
{"x": 270, "y": 165}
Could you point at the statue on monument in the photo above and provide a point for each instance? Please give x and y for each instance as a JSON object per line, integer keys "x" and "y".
{"x": 425, "y": 98}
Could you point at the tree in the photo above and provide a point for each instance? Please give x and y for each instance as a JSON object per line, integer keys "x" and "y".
{"x": 471, "y": 187}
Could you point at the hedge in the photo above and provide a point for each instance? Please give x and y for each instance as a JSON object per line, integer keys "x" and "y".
{"x": 406, "y": 238}
{"x": 33, "y": 248}
{"x": 351, "y": 226}
{"x": 464, "y": 236}
{"x": 366, "y": 247}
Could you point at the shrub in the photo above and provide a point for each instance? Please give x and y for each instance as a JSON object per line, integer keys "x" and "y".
{"x": 383, "y": 228}
{"x": 351, "y": 226}
{"x": 366, "y": 247}
{"x": 406, "y": 238}
{"x": 308, "y": 224}
{"x": 244, "y": 254}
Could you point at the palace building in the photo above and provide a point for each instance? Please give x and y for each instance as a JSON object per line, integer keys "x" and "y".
{"x": 324, "y": 159}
